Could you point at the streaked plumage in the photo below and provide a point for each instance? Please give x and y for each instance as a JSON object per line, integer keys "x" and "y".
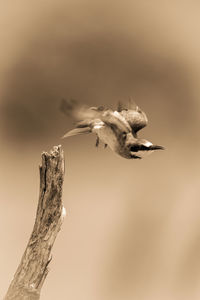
{"x": 117, "y": 129}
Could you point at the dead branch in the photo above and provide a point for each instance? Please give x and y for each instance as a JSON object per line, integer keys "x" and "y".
{"x": 33, "y": 269}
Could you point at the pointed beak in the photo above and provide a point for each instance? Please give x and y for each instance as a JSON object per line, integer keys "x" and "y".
{"x": 141, "y": 150}
{"x": 136, "y": 148}
{"x": 156, "y": 147}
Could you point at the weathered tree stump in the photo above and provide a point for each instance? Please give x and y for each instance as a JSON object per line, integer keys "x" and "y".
{"x": 33, "y": 269}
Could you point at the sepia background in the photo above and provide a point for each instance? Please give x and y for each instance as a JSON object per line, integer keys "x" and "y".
{"x": 132, "y": 229}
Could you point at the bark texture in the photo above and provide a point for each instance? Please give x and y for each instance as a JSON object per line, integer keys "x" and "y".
{"x": 33, "y": 269}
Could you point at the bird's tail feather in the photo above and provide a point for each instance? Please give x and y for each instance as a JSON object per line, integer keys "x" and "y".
{"x": 77, "y": 131}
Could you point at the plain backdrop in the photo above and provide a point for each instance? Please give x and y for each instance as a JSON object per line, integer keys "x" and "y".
{"x": 132, "y": 229}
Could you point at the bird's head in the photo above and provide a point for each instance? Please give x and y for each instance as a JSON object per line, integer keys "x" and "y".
{"x": 135, "y": 148}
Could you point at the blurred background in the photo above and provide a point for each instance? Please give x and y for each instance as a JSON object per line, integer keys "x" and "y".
{"x": 132, "y": 229}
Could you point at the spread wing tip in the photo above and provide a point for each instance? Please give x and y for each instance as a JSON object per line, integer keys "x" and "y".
{"x": 76, "y": 131}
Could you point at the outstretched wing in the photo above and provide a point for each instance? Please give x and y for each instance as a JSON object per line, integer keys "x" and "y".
{"x": 88, "y": 117}
{"x": 81, "y": 114}
{"x": 136, "y": 118}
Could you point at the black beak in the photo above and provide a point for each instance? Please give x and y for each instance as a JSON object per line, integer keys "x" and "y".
{"x": 136, "y": 148}
{"x": 155, "y": 147}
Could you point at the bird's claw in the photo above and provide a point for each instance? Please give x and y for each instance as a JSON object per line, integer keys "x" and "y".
{"x": 97, "y": 142}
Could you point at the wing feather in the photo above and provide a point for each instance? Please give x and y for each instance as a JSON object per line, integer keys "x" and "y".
{"x": 126, "y": 119}
{"x": 136, "y": 118}
{"x": 77, "y": 131}
{"x": 116, "y": 120}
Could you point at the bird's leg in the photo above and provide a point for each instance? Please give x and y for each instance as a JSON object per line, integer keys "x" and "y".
{"x": 105, "y": 146}
{"x": 97, "y": 142}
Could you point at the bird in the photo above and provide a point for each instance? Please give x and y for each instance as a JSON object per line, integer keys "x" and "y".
{"x": 117, "y": 129}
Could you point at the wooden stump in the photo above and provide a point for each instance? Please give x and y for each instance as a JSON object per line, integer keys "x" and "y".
{"x": 33, "y": 269}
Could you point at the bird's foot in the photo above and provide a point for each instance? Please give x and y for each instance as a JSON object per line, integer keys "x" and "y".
{"x": 97, "y": 142}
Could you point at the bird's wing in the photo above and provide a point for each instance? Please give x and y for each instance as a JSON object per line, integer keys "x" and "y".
{"x": 116, "y": 121}
{"x": 77, "y": 131}
{"x": 88, "y": 117}
{"x": 135, "y": 117}
{"x": 79, "y": 112}
{"x": 112, "y": 119}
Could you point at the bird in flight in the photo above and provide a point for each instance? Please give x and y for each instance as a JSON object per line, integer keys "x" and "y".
{"x": 116, "y": 129}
